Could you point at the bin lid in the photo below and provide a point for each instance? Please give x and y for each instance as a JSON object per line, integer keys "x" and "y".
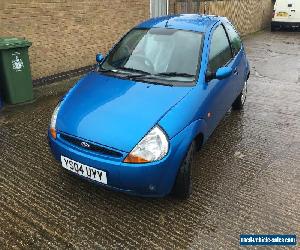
{"x": 13, "y": 42}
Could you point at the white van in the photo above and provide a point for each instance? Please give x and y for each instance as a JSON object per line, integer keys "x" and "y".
{"x": 286, "y": 13}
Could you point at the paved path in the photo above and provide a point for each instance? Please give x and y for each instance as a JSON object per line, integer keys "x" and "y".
{"x": 246, "y": 179}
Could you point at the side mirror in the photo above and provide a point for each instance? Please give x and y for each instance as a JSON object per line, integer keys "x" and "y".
{"x": 223, "y": 73}
{"x": 99, "y": 58}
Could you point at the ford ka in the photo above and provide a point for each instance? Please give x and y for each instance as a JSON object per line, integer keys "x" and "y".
{"x": 134, "y": 123}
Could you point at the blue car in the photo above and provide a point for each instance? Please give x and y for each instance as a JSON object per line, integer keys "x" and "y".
{"x": 134, "y": 123}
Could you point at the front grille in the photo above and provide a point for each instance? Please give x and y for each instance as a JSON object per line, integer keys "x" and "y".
{"x": 92, "y": 147}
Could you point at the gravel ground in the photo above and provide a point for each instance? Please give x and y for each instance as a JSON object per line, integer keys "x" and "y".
{"x": 246, "y": 178}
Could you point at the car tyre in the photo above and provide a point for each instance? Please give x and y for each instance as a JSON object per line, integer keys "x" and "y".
{"x": 183, "y": 184}
{"x": 239, "y": 102}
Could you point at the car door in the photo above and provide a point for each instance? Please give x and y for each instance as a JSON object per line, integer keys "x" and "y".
{"x": 239, "y": 60}
{"x": 221, "y": 95}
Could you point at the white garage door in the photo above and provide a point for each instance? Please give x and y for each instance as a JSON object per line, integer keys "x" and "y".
{"x": 158, "y": 8}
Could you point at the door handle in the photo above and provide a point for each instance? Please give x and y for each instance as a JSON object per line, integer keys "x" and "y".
{"x": 235, "y": 72}
{"x": 293, "y": 10}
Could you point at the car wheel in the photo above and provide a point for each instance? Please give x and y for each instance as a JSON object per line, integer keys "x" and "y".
{"x": 239, "y": 102}
{"x": 183, "y": 184}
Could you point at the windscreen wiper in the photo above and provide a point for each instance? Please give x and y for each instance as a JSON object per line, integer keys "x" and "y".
{"x": 137, "y": 73}
{"x": 141, "y": 72}
{"x": 175, "y": 74}
{"x": 145, "y": 75}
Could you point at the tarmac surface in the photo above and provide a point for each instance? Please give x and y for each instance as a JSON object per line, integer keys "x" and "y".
{"x": 246, "y": 178}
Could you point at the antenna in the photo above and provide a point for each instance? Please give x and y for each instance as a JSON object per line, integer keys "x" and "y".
{"x": 166, "y": 26}
{"x": 167, "y": 22}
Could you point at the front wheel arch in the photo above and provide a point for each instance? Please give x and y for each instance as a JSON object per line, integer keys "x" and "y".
{"x": 194, "y": 133}
{"x": 199, "y": 139}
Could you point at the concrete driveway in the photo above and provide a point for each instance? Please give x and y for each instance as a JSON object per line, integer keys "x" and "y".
{"x": 246, "y": 178}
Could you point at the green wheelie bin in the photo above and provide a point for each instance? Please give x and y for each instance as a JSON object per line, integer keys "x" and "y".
{"x": 15, "y": 75}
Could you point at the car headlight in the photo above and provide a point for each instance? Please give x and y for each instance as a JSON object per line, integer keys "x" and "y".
{"x": 53, "y": 121}
{"x": 153, "y": 147}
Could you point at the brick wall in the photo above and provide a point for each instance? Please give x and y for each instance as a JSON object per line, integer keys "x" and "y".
{"x": 248, "y": 15}
{"x": 67, "y": 34}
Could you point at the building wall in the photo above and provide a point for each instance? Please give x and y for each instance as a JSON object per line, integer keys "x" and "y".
{"x": 248, "y": 15}
{"x": 67, "y": 34}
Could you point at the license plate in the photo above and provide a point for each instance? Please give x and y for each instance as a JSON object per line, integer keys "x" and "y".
{"x": 84, "y": 170}
{"x": 282, "y": 14}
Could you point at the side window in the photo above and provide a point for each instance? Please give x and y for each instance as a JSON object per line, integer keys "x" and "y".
{"x": 220, "y": 51}
{"x": 234, "y": 38}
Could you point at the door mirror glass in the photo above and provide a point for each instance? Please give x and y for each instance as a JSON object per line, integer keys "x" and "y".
{"x": 223, "y": 73}
{"x": 99, "y": 58}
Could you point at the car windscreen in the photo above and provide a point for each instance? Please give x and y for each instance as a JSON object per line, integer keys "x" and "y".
{"x": 157, "y": 54}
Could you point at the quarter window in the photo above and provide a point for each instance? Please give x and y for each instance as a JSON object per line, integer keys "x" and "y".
{"x": 234, "y": 38}
{"x": 220, "y": 51}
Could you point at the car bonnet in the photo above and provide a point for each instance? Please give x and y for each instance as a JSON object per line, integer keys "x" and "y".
{"x": 115, "y": 112}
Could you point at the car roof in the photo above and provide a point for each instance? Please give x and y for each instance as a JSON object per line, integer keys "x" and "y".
{"x": 191, "y": 22}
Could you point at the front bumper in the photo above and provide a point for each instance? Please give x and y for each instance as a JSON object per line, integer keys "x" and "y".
{"x": 151, "y": 179}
